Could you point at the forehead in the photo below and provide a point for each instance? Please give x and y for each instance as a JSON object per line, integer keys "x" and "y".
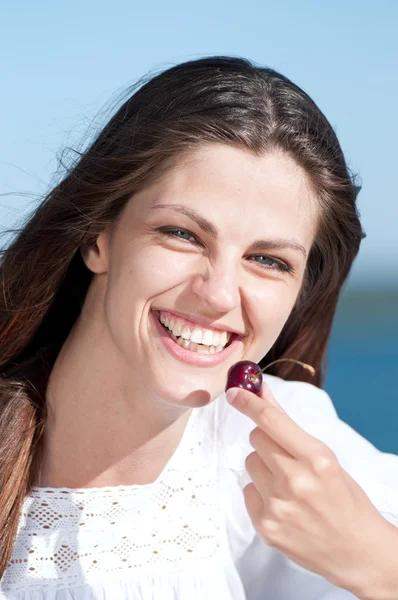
{"x": 270, "y": 191}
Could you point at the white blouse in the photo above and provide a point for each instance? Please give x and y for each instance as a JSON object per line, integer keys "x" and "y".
{"x": 186, "y": 536}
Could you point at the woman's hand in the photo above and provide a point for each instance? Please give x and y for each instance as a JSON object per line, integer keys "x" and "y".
{"x": 303, "y": 503}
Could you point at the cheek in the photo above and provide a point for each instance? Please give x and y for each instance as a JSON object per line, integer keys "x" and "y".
{"x": 144, "y": 273}
{"x": 272, "y": 303}
{"x": 134, "y": 279}
{"x": 159, "y": 270}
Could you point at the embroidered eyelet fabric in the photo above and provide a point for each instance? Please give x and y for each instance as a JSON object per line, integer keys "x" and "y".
{"x": 188, "y": 535}
{"x": 162, "y": 540}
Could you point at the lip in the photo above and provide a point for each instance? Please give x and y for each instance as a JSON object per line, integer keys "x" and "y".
{"x": 195, "y": 321}
{"x": 194, "y": 358}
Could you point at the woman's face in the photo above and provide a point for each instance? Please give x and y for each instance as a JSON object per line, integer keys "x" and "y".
{"x": 213, "y": 268}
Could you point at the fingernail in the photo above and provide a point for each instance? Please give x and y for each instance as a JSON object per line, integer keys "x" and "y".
{"x": 231, "y": 394}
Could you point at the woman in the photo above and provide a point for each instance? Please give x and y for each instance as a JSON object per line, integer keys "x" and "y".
{"x": 213, "y": 220}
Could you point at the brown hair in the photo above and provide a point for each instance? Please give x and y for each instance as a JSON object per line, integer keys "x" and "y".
{"x": 44, "y": 279}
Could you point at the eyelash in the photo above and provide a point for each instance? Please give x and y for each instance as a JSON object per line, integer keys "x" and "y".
{"x": 280, "y": 266}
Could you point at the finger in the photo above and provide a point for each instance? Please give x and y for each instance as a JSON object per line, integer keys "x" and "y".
{"x": 253, "y": 502}
{"x": 276, "y": 423}
{"x": 260, "y": 475}
{"x": 271, "y": 453}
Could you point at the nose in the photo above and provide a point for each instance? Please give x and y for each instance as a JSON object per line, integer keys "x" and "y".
{"x": 217, "y": 288}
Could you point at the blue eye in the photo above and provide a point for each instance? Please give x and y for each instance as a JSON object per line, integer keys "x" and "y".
{"x": 172, "y": 232}
{"x": 279, "y": 265}
{"x": 276, "y": 265}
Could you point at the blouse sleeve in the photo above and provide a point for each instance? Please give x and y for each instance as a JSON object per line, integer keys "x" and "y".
{"x": 267, "y": 573}
{"x": 375, "y": 471}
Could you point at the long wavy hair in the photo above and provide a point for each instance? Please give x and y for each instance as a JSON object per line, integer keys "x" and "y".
{"x": 43, "y": 279}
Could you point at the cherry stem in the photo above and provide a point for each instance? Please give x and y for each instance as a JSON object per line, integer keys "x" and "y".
{"x": 254, "y": 378}
{"x": 308, "y": 367}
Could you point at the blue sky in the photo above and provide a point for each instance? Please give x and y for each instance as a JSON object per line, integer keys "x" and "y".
{"x": 64, "y": 62}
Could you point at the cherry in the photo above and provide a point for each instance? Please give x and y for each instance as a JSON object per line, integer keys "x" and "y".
{"x": 247, "y": 375}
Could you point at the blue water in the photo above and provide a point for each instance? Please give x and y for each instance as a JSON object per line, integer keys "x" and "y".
{"x": 362, "y": 383}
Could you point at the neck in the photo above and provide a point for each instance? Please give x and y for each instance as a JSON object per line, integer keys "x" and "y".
{"x": 104, "y": 429}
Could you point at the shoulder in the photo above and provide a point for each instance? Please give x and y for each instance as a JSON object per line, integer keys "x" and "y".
{"x": 301, "y": 400}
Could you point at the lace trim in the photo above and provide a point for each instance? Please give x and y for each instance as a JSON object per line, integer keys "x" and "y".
{"x": 69, "y": 535}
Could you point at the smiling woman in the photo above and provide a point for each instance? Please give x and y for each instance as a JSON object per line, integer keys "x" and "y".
{"x": 213, "y": 220}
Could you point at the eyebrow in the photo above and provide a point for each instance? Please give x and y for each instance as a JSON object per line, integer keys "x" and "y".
{"x": 212, "y": 230}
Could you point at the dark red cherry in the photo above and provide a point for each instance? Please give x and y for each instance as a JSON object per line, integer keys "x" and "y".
{"x": 247, "y": 375}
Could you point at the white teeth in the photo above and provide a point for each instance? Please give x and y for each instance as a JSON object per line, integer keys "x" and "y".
{"x": 216, "y": 339}
{"x": 196, "y": 335}
{"x": 186, "y": 333}
{"x": 181, "y": 342}
{"x": 196, "y": 347}
{"x": 177, "y": 329}
{"x": 202, "y": 349}
{"x": 185, "y": 343}
{"x": 223, "y": 338}
{"x": 210, "y": 339}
